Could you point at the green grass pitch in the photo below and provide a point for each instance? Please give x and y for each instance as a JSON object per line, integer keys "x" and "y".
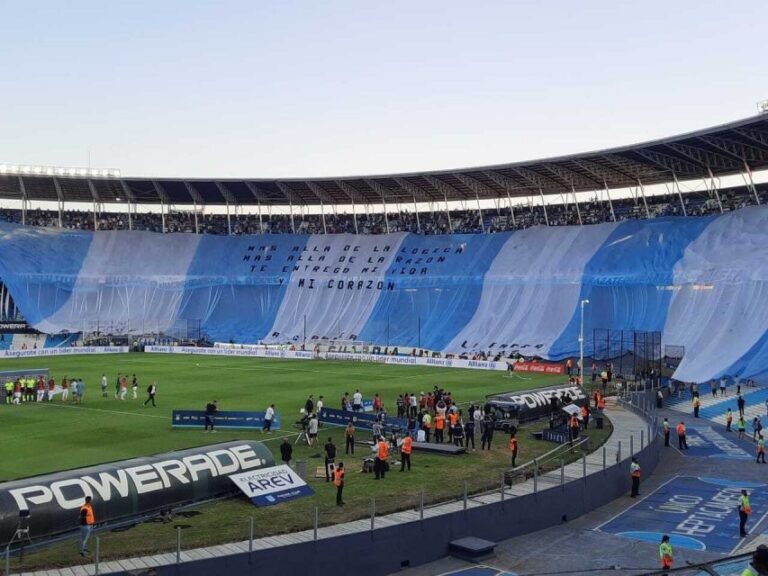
{"x": 44, "y": 437}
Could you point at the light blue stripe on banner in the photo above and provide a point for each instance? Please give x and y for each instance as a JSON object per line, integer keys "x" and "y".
{"x": 235, "y": 284}
{"x": 628, "y": 280}
{"x": 438, "y": 281}
{"x": 40, "y": 267}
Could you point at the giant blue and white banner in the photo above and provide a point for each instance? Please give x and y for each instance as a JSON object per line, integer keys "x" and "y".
{"x": 702, "y": 282}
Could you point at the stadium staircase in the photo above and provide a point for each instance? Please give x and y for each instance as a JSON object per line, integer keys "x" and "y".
{"x": 714, "y": 408}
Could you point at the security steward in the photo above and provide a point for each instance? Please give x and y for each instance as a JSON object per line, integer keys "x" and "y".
{"x": 405, "y": 453}
{"x": 745, "y": 509}
{"x": 338, "y": 481}
{"x": 87, "y": 520}
{"x": 634, "y": 472}
{"x": 759, "y": 563}
{"x": 682, "y": 443}
{"x": 380, "y": 464}
{"x": 513, "y": 448}
{"x": 665, "y": 554}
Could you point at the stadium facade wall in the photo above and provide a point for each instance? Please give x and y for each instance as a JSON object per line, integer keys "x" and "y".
{"x": 702, "y": 282}
{"x": 385, "y": 550}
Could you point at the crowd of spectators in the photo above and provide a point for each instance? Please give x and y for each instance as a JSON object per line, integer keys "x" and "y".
{"x": 461, "y": 221}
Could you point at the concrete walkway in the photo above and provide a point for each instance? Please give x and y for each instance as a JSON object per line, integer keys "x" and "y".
{"x": 630, "y": 431}
{"x": 579, "y": 547}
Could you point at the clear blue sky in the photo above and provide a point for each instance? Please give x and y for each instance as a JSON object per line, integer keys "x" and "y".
{"x": 289, "y": 88}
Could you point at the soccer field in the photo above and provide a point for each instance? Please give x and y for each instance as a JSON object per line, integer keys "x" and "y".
{"x": 55, "y": 436}
{"x": 46, "y": 437}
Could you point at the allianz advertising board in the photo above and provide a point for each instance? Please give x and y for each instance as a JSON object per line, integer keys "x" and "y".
{"x": 127, "y": 489}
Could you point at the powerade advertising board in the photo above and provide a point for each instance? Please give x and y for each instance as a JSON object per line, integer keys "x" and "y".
{"x": 270, "y": 486}
{"x": 536, "y": 404}
{"x": 235, "y": 420}
{"x": 128, "y": 489}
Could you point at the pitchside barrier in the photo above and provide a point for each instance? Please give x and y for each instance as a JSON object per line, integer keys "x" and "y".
{"x": 35, "y": 353}
{"x": 359, "y": 419}
{"x": 235, "y": 420}
{"x": 129, "y": 489}
{"x": 303, "y": 355}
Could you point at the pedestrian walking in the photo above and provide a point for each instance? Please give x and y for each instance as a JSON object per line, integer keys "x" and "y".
{"x": 745, "y": 509}
{"x": 665, "y": 554}
{"x": 728, "y": 420}
{"x": 286, "y": 452}
{"x": 151, "y": 392}
{"x": 741, "y": 425}
{"x": 349, "y": 435}
{"x": 696, "y": 406}
{"x": 760, "y": 450}
{"x": 682, "y": 443}
{"x": 740, "y": 403}
{"x": 338, "y": 481}
{"x": 634, "y": 472}
{"x": 269, "y": 415}
{"x": 723, "y": 383}
{"x": 665, "y": 427}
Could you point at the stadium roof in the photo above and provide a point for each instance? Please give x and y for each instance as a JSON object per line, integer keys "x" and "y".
{"x": 723, "y": 150}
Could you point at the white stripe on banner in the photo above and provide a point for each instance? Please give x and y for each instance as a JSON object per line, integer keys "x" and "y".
{"x": 532, "y": 289}
{"x": 720, "y": 289}
{"x": 130, "y": 282}
{"x": 336, "y": 282}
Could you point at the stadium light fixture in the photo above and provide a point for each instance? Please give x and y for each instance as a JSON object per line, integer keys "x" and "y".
{"x": 39, "y": 170}
{"x": 762, "y": 107}
{"x": 581, "y": 343}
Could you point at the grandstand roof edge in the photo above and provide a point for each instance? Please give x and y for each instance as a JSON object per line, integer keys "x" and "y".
{"x": 723, "y": 149}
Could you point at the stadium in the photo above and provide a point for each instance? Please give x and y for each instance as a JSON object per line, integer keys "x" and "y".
{"x": 415, "y": 289}
{"x": 484, "y": 307}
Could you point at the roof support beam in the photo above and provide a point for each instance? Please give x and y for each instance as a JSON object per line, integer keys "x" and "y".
{"x": 349, "y": 191}
{"x": 610, "y": 202}
{"x": 544, "y": 206}
{"x": 669, "y": 163}
{"x": 679, "y": 194}
{"x": 572, "y": 177}
{"x": 704, "y": 157}
{"x": 287, "y": 193}
{"x": 539, "y": 181}
{"x": 750, "y": 183}
{"x": 576, "y": 201}
{"x": 713, "y": 188}
{"x": 376, "y": 187}
{"x": 645, "y": 202}
{"x": 475, "y": 186}
{"x": 737, "y": 151}
{"x": 196, "y": 197}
